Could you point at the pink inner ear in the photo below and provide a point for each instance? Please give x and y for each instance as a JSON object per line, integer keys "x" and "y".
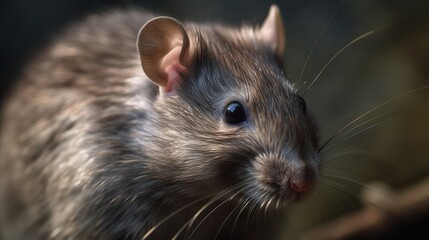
{"x": 173, "y": 76}
{"x": 172, "y": 65}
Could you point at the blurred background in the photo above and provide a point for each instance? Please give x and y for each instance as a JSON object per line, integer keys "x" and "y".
{"x": 388, "y": 145}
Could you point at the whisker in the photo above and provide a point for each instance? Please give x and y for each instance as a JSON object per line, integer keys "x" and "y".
{"x": 363, "y": 36}
{"x": 317, "y": 41}
{"x": 344, "y": 153}
{"x": 355, "y": 148}
{"x": 263, "y": 206}
{"x": 351, "y": 180}
{"x": 251, "y": 208}
{"x": 372, "y": 110}
{"x": 212, "y": 211}
{"x": 352, "y": 149}
{"x": 268, "y": 204}
{"x": 226, "y": 219}
{"x": 214, "y": 199}
{"x": 236, "y": 219}
{"x": 262, "y": 199}
{"x": 338, "y": 173}
{"x": 335, "y": 203}
{"x": 355, "y": 134}
{"x": 277, "y": 204}
{"x": 359, "y": 125}
{"x": 359, "y": 183}
{"x": 340, "y": 187}
{"x": 150, "y": 231}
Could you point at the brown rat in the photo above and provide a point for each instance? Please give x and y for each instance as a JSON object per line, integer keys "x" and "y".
{"x": 91, "y": 148}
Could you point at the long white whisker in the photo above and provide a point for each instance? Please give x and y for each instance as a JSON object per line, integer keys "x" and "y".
{"x": 267, "y": 207}
{"x": 355, "y": 148}
{"x": 317, "y": 41}
{"x": 333, "y": 190}
{"x": 148, "y": 233}
{"x": 340, "y": 187}
{"x": 358, "y": 125}
{"x": 362, "y": 184}
{"x": 236, "y": 219}
{"x": 355, "y": 134}
{"x": 344, "y": 153}
{"x": 277, "y": 204}
{"x": 372, "y": 110}
{"x": 341, "y": 50}
{"x": 211, "y": 212}
{"x": 226, "y": 219}
{"x": 251, "y": 208}
{"x": 191, "y": 221}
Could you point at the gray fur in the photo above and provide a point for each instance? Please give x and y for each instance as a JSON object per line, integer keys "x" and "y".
{"x": 89, "y": 150}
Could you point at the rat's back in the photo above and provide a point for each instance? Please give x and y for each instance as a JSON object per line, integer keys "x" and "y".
{"x": 50, "y": 122}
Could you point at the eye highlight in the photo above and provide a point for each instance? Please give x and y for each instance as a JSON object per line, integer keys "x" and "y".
{"x": 234, "y": 113}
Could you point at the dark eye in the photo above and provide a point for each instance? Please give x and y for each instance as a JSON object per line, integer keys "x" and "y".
{"x": 302, "y": 103}
{"x": 234, "y": 113}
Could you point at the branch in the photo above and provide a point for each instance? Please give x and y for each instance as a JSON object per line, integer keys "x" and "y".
{"x": 384, "y": 209}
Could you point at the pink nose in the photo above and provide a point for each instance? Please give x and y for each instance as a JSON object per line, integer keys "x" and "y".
{"x": 302, "y": 182}
{"x": 299, "y": 185}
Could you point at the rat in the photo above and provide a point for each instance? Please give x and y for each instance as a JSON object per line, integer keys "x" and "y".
{"x": 131, "y": 126}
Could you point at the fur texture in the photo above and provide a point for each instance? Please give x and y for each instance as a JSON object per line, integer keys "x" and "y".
{"x": 89, "y": 150}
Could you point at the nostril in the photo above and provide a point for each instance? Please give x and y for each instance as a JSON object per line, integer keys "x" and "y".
{"x": 297, "y": 184}
{"x": 301, "y": 183}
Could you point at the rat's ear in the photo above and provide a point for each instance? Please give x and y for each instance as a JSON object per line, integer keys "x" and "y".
{"x": 164, "y": 50}
{"x": 272, "y": 31}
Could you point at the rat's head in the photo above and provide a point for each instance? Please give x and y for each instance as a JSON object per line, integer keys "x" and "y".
{"x": 229, "y": 117}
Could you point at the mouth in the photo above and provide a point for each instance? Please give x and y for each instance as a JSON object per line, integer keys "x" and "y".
{"x": 278, "y": 192}
{"x": 294, "y": 197}
{"x": 271, "y": 199}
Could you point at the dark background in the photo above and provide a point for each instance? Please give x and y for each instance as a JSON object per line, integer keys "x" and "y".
{"x": 377, "y": 68}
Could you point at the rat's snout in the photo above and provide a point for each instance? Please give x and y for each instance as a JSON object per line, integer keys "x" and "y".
{"x": 284, "y": 177}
